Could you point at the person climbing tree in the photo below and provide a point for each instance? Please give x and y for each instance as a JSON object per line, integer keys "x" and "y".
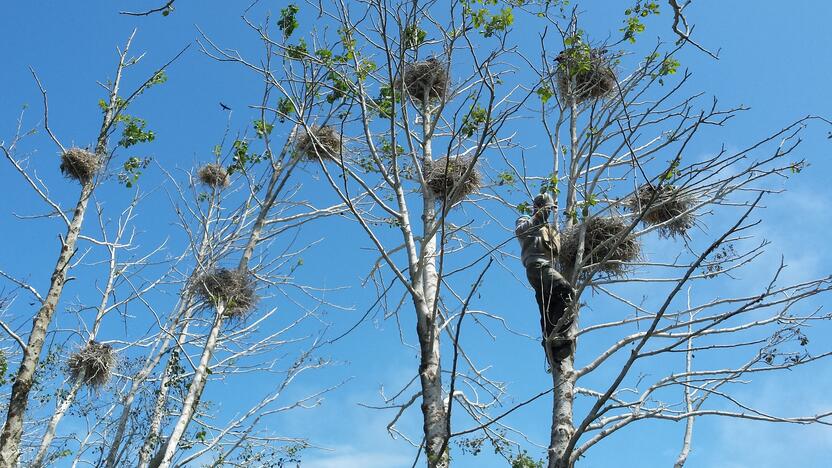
{"x": 538, "y": 249}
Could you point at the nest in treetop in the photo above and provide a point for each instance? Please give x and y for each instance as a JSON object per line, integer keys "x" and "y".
{"x": 443, "y": 174}
{"x": 95, "y": 362}
{"x": 320, "y": 142}
{"x": 233, "y": 289}
{"x": 80, "y": 164}
{"x": 213, "y": 175}
{"x": 584, "y": 73}
{"x": 600, "y": 230}
{"x": 424, "y": 78}
{"x": 670, "y": 208}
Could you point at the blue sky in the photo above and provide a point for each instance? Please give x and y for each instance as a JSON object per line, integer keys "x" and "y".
{"x": 773, "y": 58}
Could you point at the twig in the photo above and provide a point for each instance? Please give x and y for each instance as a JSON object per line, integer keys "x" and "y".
{"x": 166, "y": 7}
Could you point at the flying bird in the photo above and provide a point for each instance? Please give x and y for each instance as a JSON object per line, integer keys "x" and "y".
{"x": 224, "y": 107}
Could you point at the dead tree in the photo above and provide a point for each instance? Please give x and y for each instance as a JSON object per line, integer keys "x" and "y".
{"x": 399, "y": 122}
{"x": 85, "y": 167}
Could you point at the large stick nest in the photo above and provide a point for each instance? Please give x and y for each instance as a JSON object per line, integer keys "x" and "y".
{"x": 96, "y": 361}
{"x": 322, "y": 142}
{"x": 585, "y": 73}
{"x": 213, "y": 175}
{"x": 603, "y": 232}
{"x": 80, "y": 164}
{"x": 428, "y": 78}
{"x": 670, "y": 208}
{"x": 233, "y": 289}
{"x": 443, "y": 174}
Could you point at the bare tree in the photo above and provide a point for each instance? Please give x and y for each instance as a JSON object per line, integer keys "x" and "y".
{"x": 385, "y": 94}
{"x": 425, "y": 121}
{"x": 606, "y": 150}
{"x": 85, "y": 167}
{"x": 96, "y": 366}
{"x": 269, "y": 214}
{"x": 242, "y": 206}
{"x": 400, "y": 77}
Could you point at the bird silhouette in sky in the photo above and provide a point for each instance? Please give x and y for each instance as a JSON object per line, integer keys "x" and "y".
{"x": 224, "y": 107}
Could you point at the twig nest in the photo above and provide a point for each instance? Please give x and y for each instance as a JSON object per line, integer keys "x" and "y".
{"x": 95, "y": 362}
{"x": 213, "y": 175}
{"x": 444, "y": 174}
{"x": 322, "y": 142}
{"x": 670, "y": 208}
{"x": 421, "y": 79}
{"x": 603, "y": 232}
{"x": 80, "y": 164}
{"x": 234, "y": 290}
{"x": 584, "y": 73}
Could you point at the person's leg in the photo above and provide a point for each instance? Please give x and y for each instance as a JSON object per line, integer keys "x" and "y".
{"x": 557, "y": 297}
{"x": 535, "y": 276}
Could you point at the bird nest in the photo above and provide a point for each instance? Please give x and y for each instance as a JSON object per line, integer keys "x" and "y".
{"x": 233, "y": 289}
{"x": 670, "y": 209}
{"x": 585, "y": 73}
{"x": 93, "y": 363}
{"x": 213, "y": 175}
{"x": 428, "y": 78}
{"x": 602, "y": 239}
{"x": 322, "y": 142}
{"x": 80, "y": 164}
{"x": 443, "y": 174}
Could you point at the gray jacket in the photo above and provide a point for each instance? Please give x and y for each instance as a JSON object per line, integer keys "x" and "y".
{"x": 533, "y": 247}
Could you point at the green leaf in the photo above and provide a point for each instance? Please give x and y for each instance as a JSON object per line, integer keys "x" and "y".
{"x": 132, "y": 170}
{"x": 134, "y": 131}
{"x": 413, "y": 36}
{"x": 288, "y": 21}
{"x": 506, "y": 178}
{"x": 158, "y": 78}
{"x": 325, "y": 55}
{"x": 550, "y": 185}
{"x": 545, "y": 93}
{"x": 285, "y": 108}
{"x": 473, "y": 121}
{"x": 262, "y": 128}
{"x": 633, "y": 15}
{"x": 297, "y": 52}
{"x": 669, "y": 66}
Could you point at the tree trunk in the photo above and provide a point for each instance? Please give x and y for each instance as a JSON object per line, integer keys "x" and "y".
{"x": 434, "y": 411}
{"x": 563, "y": 379}
{"x": 64, "y": 405}
{"x": 13, "y": 427}
{"x": 152, "y": 437}
{"x": 60, "y": 411}
{"x": 194, "y": 391}
{"x": 433, "y": 406}
{"x": 563, "y": 373}
{"x": 127, "y": 405}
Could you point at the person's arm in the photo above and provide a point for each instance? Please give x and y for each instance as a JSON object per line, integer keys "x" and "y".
{"x": 523, "y": 224}
{"x": 539, "y": 217}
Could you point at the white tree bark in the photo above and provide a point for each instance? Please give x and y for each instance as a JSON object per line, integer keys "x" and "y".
{"x": 195, "y": 389}
{"x": 55, "y": 419}
{"x": 13, "y": 428}
{"x": 158, "y": 412}
{"x": 434, "y": 408}
{"x": 688, "y": 437}
{"x": 563, "y": 379}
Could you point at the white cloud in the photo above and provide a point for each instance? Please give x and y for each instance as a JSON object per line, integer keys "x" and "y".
{"x": 741, "y": 443}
